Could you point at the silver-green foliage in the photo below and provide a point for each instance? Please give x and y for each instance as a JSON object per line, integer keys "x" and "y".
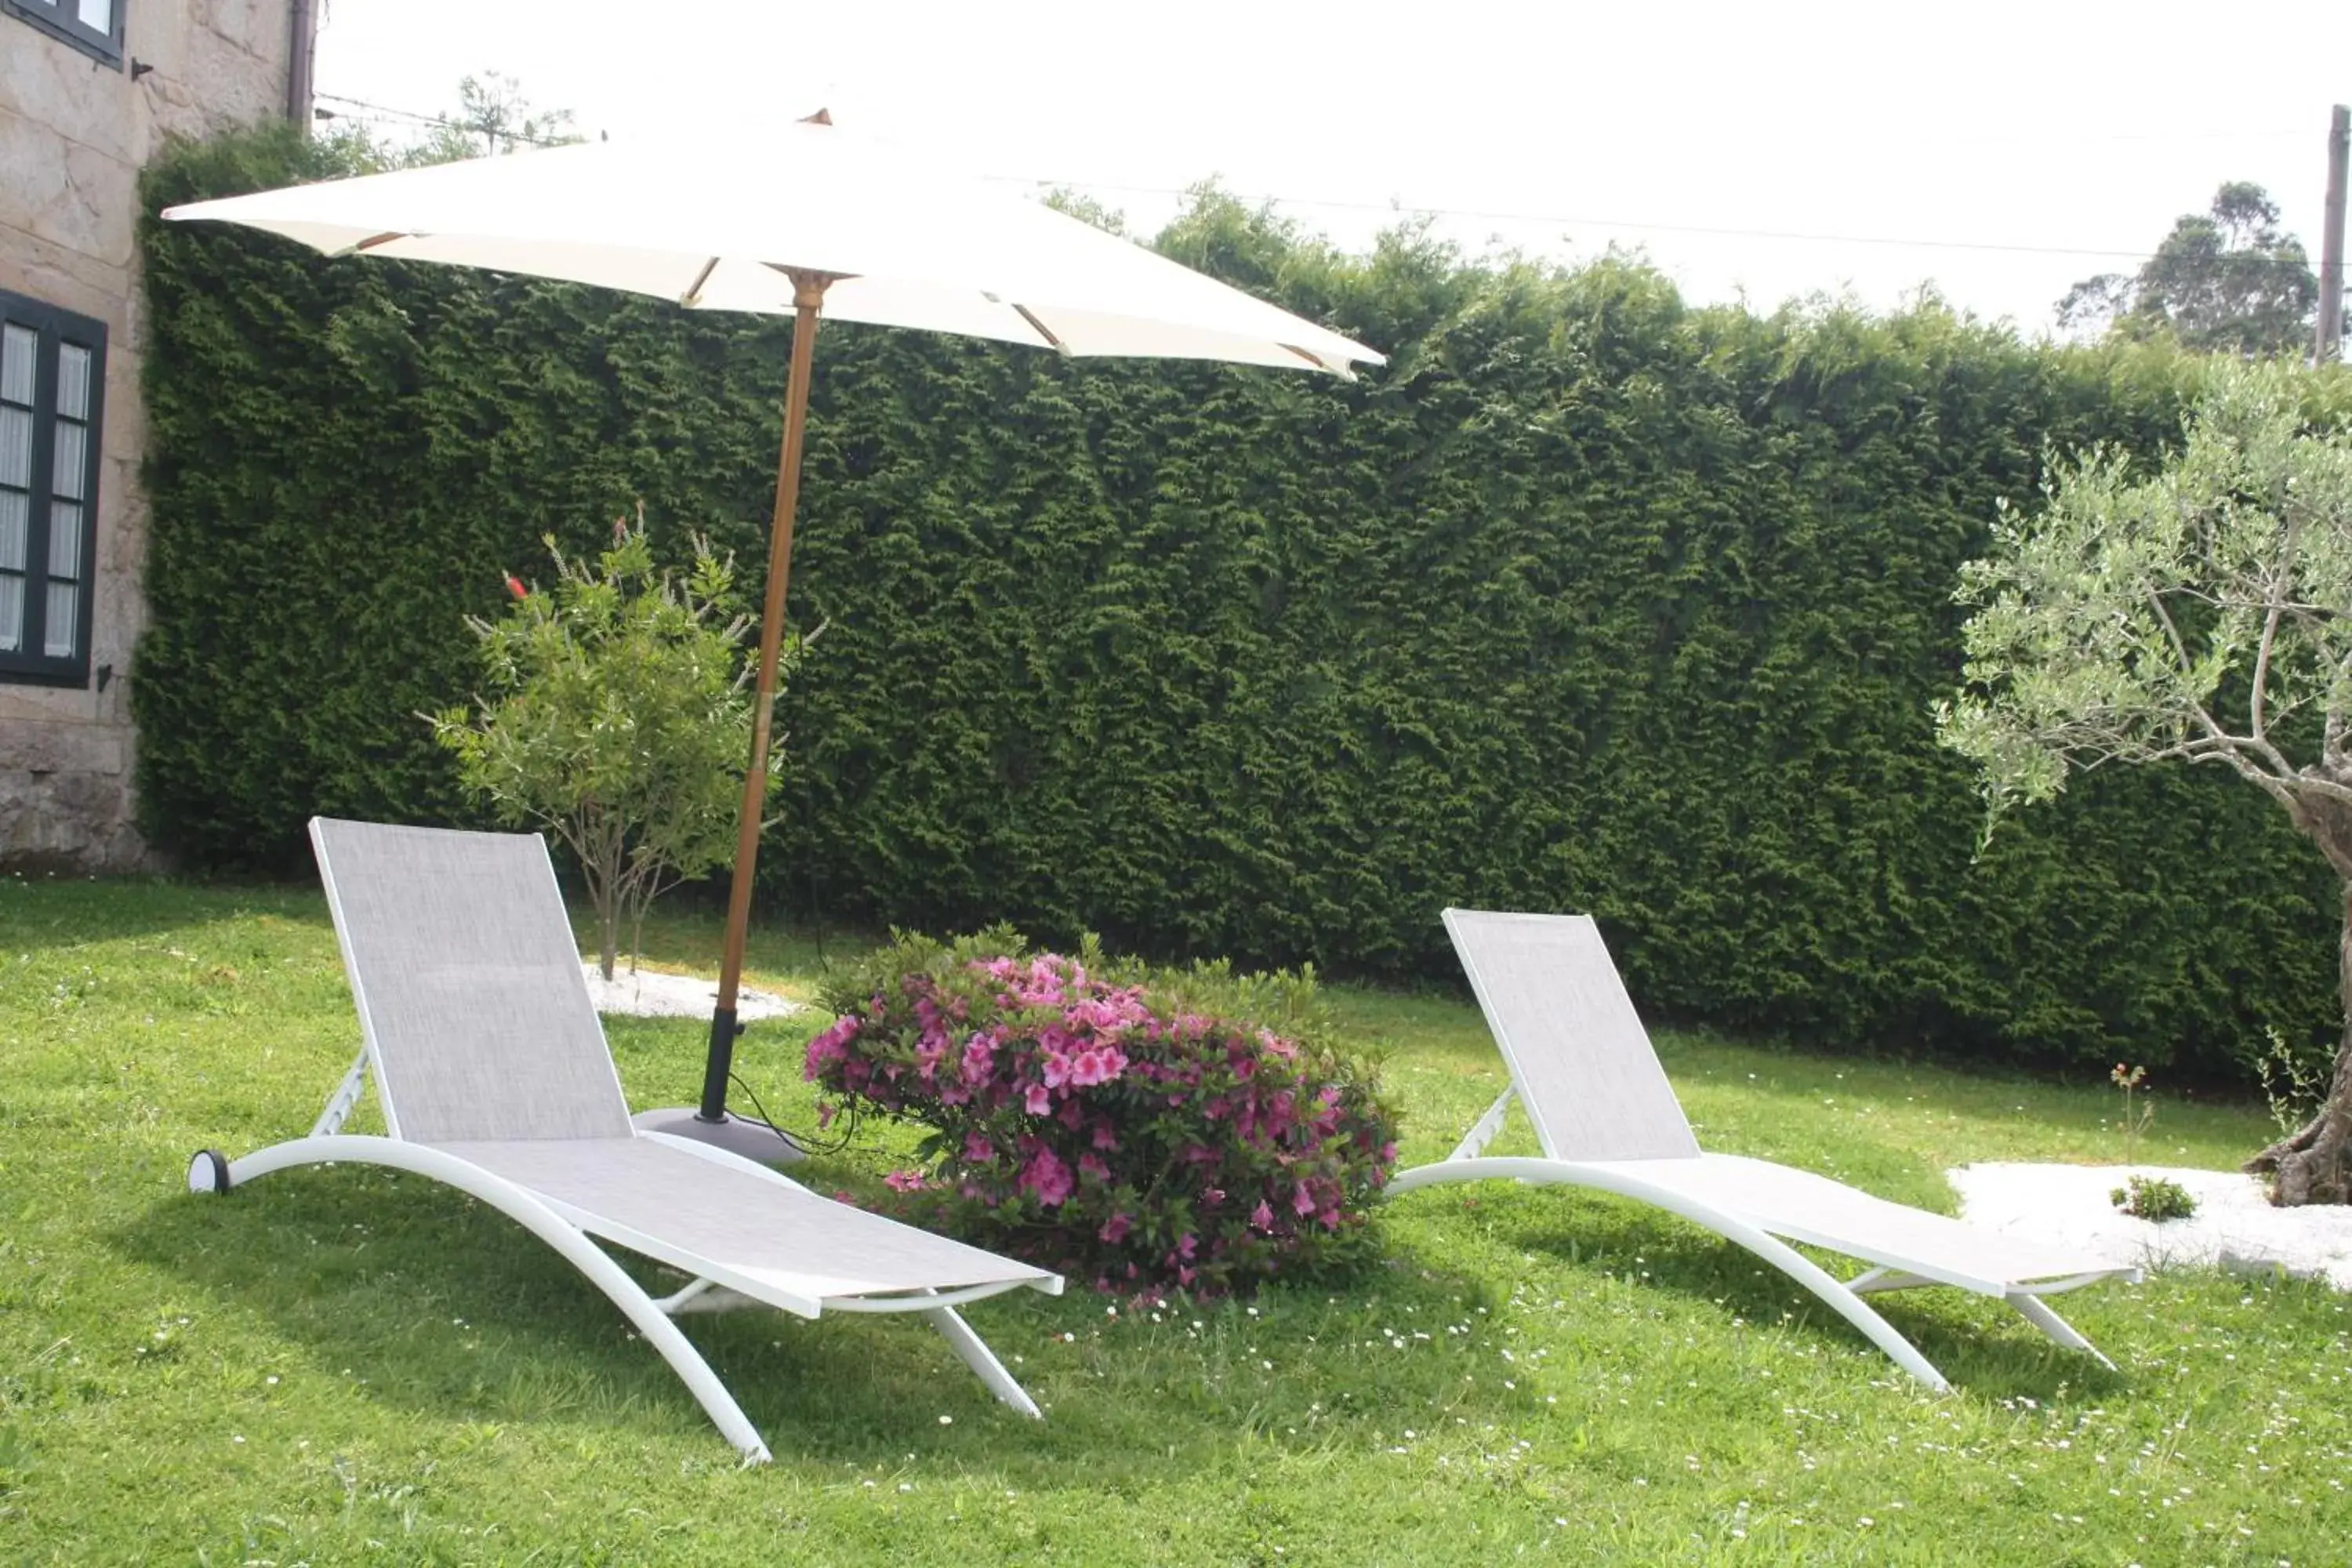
{"x": 2201, "y": 611}
{"x": 616, "y": 715}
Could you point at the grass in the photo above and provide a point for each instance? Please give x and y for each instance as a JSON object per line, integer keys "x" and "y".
{"x": 345, "y": 1365}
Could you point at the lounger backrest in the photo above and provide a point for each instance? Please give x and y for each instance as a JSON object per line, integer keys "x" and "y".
{"x": 469, "y": 989}
{"x": 1583, "y": 1065}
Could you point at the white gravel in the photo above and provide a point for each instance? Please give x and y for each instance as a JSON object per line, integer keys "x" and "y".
{"x": 2234, "y": 1226}
{"x": 648, "y": 994}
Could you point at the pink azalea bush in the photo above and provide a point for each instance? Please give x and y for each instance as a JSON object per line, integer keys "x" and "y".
{"x": 1100, "y": 1121}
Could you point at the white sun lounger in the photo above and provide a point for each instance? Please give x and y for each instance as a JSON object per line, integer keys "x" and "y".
{"x": 1584, "y": 1071}
{"x": 493, "y": 1075}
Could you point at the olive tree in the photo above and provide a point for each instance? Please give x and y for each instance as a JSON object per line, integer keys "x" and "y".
{"x": 617, "y": 716}
{"x": 2200, "y": 612}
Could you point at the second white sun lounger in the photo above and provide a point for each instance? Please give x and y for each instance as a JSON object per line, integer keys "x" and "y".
{"x": 492, "y": 1074}
{"x": 1584, "y": 1073}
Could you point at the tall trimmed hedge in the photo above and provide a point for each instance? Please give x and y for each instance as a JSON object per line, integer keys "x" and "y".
{"x": 1588, "y": 600}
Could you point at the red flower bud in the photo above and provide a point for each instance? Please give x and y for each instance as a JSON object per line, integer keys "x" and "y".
{"x": 514, "y": 586}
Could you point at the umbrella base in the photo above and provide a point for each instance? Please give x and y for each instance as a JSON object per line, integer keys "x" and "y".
{"x": 745, "y": 1135}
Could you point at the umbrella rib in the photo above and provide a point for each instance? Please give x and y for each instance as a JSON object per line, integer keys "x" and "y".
{"x": 693, "y": 295}
{"x": 374, "y": 240}
{"x": 1041, "y": 330}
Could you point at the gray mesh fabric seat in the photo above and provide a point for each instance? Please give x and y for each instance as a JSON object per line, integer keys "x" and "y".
{"x": 492, "y": 1074}
{"x": 1583, "y": 1071}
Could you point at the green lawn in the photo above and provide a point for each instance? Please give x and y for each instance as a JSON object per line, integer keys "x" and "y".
{"x": 345, "y": 1365}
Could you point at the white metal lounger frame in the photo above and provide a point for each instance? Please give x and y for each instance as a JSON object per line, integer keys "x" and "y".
{"x": 711, "y": 1289}
{"x": 557, "y": 1224}
{"x": 1467, "y": 1162}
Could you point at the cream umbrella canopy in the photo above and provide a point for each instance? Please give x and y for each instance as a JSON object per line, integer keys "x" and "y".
{"x": 814, "y": 221}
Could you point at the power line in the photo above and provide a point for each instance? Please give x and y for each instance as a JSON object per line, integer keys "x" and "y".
{"x": 1474, "y": 214}
{"x": 1491, "y": 216}
{"x": 384, "y": 114}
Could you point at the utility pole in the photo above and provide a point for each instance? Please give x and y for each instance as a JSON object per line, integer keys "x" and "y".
{"x": 2330, "y": 338}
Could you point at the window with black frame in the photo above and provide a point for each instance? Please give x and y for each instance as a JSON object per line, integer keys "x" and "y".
{"x": 52, "y": 389}
{"x": 93, "y": 26}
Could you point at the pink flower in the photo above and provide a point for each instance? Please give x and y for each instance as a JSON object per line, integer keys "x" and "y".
{"x": 929, "y": 1049}
{"x": 1056, "y": 1068}
{"x": 1045, "y": 1175}
{"x": 1302, "y": 1201}
{"x": 1036, "y": 1102}
{"x": 829, "y": 1045}
{"x": 1091, "y": 1166}
{"x": 1104, "y": 1137}
{"x": 1262, "y": 1217}
{"x": 514, "y": 586}
{"x": 904, "y": 1181}
{"x": 1186, "y": 1245}
{"x": 979, "y": 1058}
{"x": 1115, "y": 1229}
{"x": 978, "y": 1150}
{"x": 1097, "y": 1066}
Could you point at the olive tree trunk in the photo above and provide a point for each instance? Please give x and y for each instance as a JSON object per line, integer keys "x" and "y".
{"x": 2313, "y": 1163}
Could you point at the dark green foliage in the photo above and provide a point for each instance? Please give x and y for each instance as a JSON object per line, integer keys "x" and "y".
{"x": 1587, "y": 601}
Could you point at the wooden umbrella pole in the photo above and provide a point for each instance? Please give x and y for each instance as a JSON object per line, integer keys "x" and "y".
{"x": 808, "y": 296}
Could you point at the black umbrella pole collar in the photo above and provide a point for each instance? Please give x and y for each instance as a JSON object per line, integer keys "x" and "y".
{"x": 720, "y": 1067}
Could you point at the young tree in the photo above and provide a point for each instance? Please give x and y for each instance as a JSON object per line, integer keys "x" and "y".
{"x": 2202, "y": 611}
{"x": 619, "y": 718}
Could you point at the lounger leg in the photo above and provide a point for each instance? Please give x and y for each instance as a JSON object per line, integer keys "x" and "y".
{"x": 982, "y": 1360}
{"x": 1839, "y": 1299}
{"x": 2037, "y": 1313}
{"x": 1731, "y": 1228}
{"x": 544, "y": 1223}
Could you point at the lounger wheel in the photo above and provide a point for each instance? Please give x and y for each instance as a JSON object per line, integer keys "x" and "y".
{"x": 208, "y": 1171}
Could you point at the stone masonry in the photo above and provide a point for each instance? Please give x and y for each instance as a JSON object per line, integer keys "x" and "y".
{"x": 74, "y": 132}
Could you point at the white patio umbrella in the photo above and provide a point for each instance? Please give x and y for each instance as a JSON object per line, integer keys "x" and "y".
{"x": 815, "y": 220}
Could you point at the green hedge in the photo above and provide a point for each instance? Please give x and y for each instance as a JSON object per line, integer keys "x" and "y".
{"x": 1588, "y": 600}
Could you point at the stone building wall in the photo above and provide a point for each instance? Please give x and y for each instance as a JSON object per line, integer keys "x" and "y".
{"x": 74, "y": 132}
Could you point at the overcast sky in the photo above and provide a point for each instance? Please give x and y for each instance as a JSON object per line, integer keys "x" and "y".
{"x": 1998, "y": 150}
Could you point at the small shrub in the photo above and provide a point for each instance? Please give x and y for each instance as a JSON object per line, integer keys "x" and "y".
{"x": 2153, "y": 1198}
{"x": 1108, "y": 1121}
{"x": 619, "y": 717}
{"x": 2295, "y": 1082}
